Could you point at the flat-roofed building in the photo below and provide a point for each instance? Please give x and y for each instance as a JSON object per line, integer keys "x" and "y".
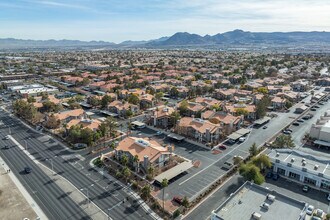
{"x": 252, "y": 201}
{"x": 320, "y": 131}
{"x": 302, "y": 167}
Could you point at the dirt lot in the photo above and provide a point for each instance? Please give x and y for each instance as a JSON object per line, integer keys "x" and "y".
{"x": 13, "y": 205}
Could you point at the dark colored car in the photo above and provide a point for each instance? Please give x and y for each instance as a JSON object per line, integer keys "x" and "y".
{"x": 313, "y": 109}
{"x": 178, "y": 199}
{"x": 269, "y": 175}
{"x": 295, "y": 124}
{"x": 6, "y": 147}
{"x": 275, "y": 176}
{"x": 27, "y": 170}
{"x": 222, "y": 147}
{"x": 264, "y": 127}
{"x": 300, "y": 120}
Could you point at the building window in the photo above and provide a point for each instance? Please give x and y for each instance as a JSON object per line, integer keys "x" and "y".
{"x": 309, "y": 181}
{"x": 294, "y": 176}
{"x": 280, "y": 171}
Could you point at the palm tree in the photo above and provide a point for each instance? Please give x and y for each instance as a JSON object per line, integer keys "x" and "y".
{"x": 136, "y": 162}
{"x": 164, "y": 185}
{"x": 253, "y": 150}
{"x": 124, "y": 159}
{"x": 151, "y": 170}
{"x": 146, "y": 190}
{"x": 126, "y": 173}
{"x": 112, "y": 124}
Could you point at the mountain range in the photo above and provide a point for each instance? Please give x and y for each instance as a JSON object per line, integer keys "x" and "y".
{"x": 184, "y": 39}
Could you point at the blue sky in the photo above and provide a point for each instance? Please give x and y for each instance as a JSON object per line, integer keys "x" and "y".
{"x": 119, "y": 20}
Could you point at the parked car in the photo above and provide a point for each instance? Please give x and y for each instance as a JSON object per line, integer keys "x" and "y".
{"x": 269, "y": 175}
{"x": 5, "y": 138}
{"x": 286, "y": 132}
{"x": 27, "y": 170}
{"x": 6, "y": 147}
{"x": 159, "y": 133}
{"x": 264, "y": 127}
{"x": 328, "y": 198}
{"x": 275, "y": 176}
{"x": 222, "y": 147}
{"x": 241, "y": 139}
{"x": 310, "y": 210}
{"x": 289, "y": 130}
{"x": 295, "y": 124}
{"x": 305, "y": 188}
{"x": 178, "y": 199}
{"x": 300, "y": 120}
{"x": 313, "y": 109}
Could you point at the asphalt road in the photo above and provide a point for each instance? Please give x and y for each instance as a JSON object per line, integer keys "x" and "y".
{"x": 47, "y": 194}
{"x": 74, "y": 167}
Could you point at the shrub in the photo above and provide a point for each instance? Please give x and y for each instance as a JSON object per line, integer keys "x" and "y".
{"x": 98, "y": 162}
{"x": 176, "y": 213}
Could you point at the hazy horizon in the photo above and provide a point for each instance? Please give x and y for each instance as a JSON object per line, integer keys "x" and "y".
{"x": 117, "y": 21}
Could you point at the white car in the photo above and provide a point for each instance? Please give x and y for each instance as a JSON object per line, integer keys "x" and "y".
{"x": 241, "y": 139}
{"x": 309, "y": 210}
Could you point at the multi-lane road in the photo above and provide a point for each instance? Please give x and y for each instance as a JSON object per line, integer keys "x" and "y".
{"x": 73, "y": 166}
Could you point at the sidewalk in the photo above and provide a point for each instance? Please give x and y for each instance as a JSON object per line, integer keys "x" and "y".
{"x": 128, "y": 191}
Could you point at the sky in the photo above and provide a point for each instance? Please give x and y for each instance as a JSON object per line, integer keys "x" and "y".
{"x": 120, "y": 20}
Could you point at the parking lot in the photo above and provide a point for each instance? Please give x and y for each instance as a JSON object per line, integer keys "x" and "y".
{"x": 294, "y": 190}
{"x": 182, "y": 186}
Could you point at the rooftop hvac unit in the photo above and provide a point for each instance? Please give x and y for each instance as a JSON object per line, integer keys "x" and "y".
{"x": 292, "y": 159}
{"x": 271, "y": 197}
{"x": 316, "y": 167}
{"x": 304, "y": 163}
{"x": 277, "y": 154}
{"x": 265, "y": 205}
{"x": 256, "y": 215}
{"x": 303, "y": 160}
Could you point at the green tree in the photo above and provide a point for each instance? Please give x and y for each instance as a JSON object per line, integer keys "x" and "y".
{"x": 185, "y": 202}
{"x": 146, "y": 190}
{"x": 174, "y": 117}
{"x": 133, "y": 99}
{"x": 284, "y": 141}
{"x": 52, "y": 122}
{"x": 174, "y": 92}
{"x": 126, "y": 173}
{"x": 288, "y": 104}
{"x": 237, "y": 160}
{"x": 48, "y": 106}
{"x": 253, "y": 150}
{"x": 31, "y": 99}
{"x": 164, "y": 185}
{"x": 112, "y": 125}
{"x": 79, "y": 98}
{"x": 262, "y": 162}
{"x": 105, "y": 101}
{"x": 183, "y": 107}
{"x": 241, "y": 111}
{"x": 251, "y": 172}
{"x": 159, "y": 95}
{"x": 261, "y": 108}
{"x": 124, "y": 159}
{"x": 94, "y": 101}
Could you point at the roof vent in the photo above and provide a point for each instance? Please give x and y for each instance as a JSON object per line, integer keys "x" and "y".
{"x": 304, "y": 163}
{"x": 302, "y": 160}
{"x": 316, "y": 167}
{"x": 277, "y": 154}
{"x": 292, "y": 159}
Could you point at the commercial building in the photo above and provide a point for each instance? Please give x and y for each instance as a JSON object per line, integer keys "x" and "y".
{"x": 32, "y": 89}
{"x": 302, "y": 167}
{"x": 252, "y": 201}
{"x": 320, "y": 131}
